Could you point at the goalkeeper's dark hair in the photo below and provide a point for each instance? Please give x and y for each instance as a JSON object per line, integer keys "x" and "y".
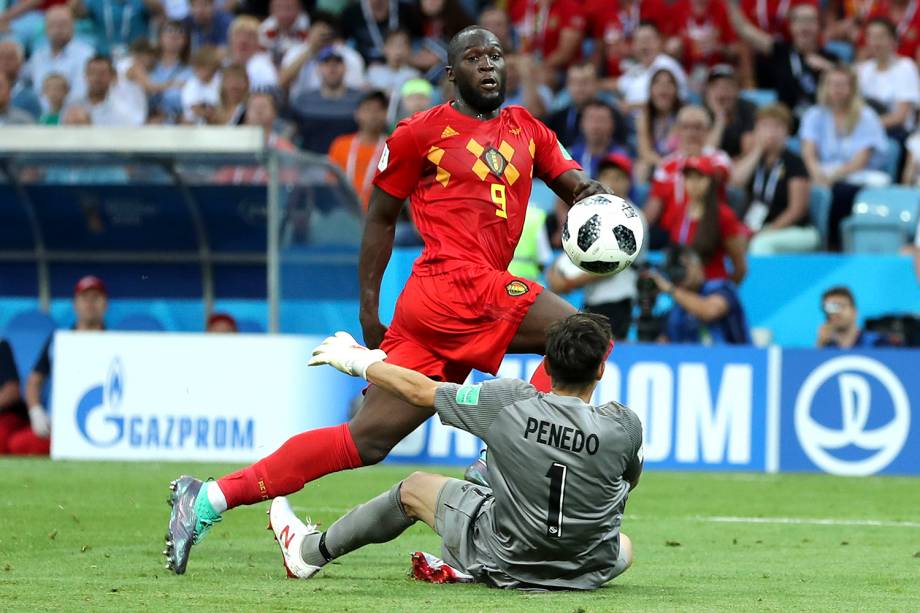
{"x": 575, "y": 348}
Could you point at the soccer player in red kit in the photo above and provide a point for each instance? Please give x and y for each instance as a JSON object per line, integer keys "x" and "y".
{"x": 466, "y": 167}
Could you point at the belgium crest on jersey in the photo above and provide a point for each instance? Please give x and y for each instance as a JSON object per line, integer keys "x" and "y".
{"x": 495, "y": 161}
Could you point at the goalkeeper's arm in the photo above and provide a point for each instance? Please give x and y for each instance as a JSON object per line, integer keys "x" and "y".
{"x": 413, "y": 387}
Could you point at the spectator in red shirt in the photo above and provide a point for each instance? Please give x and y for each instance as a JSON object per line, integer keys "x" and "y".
{"x": 704, "y": 37}
{"x": 769, "y": 15}
{"x": 692, "y": 128}
{"x": 552, "y": 28}
{"x": 705, "y": 222}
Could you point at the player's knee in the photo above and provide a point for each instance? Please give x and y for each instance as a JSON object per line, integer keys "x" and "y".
{"x": 409, "y": 493}
{"x": 371, "y": 449}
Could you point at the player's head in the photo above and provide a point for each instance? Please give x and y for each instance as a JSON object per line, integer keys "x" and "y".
{"x": 476, "y": 67}
{"x": 839, "y": 308}
{"x": 90, "y": 301}
{"x": 575, "y": 351}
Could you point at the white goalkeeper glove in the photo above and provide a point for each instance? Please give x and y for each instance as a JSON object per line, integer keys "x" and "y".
{"x": 40, "y": 421}
{"x": 344, "y": 353}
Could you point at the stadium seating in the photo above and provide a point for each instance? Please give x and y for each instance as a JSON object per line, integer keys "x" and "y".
{"x": 883, "y": 220}
{"x": 760, "y": 97}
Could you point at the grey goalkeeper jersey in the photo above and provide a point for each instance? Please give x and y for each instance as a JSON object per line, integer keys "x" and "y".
{"x": 559, "y": 471}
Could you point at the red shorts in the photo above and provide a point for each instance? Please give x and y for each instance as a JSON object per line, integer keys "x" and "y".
{"x": 446, "y": 325}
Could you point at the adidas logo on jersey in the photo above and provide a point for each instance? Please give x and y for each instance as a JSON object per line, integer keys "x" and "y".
{"x": 448, "y": 131}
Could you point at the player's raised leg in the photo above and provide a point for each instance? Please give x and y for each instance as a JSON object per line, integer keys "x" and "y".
{"x": 379, "y": 520}
{"x": 379, "y": 425}
{"x": 531, "y": 335}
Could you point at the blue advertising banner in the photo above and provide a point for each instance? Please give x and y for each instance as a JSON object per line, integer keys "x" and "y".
{"x": 702, "y": 409}
{"x": 849, "y": 412}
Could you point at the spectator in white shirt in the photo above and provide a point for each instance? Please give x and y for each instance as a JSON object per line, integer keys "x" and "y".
{"x": 234, "y": 95}
{"x": 889, "y": 82}
{"x": 389, "y": 77}
{"x": 244, "y": 50}
{"x": 647, "y": 59}
{"x": 62, "y": 53}
{"x": 285, "y": 27}
{"x": 300, "y": 68}
{"x": 112, "y": 101}
{"x": 201, "y": 93}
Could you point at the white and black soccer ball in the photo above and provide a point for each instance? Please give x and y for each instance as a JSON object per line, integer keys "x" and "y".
{"x": 603, "y": 234}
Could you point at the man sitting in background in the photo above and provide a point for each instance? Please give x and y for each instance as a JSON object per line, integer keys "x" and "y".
{"x": 90, "y": 302}
{"x": 707, "y": 312}
{"x": 62, "y": 53}
{"x": 324, "y": 114}
{"x": 357, "y": 153}
{"x": 840, "y": 329}
{"x": 110, "y": 103}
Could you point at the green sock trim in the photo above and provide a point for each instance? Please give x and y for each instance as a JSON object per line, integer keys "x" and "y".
{"x": 205, "y": 513}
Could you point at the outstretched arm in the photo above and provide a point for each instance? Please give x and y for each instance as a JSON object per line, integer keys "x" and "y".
{"x": 413, "y": 387}
{"x": 345, "y": 354}
{"x": 376, "y": 249}
{"x": 752, "y": 35}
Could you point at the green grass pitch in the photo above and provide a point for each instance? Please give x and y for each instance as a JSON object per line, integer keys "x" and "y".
{"x": 88, "y": 536}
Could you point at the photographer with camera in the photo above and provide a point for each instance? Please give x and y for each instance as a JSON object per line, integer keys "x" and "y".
{"x": 840, "y": 329}
{"x": 707, "y": 312}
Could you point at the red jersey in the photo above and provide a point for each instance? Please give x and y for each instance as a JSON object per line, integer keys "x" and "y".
{"x": 705, "y": 28}
{"x": 771, "y": 16}
{"x": 668, "y": 180}
{"x": 682, "y": 231}
{"x": 469, "y": 182}
{"x": 539, "y": 24}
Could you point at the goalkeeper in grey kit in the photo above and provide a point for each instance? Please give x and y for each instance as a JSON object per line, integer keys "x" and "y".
{"x": 560, "y": 472}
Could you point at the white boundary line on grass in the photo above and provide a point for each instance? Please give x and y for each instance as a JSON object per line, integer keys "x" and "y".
{"x": 805, "y": 521}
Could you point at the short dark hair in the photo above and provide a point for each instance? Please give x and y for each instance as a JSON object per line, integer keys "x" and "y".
{"x": 601, "y": 104}
{"x": 327, "y": 18}
{"x": 841, "y": 291}
{"x": 101, "y": 57}
{"x": 375, "y": 96}
{"x": 885, "y": 23}
{"x": 454, "y": 48}
{"x": 575, "y": 348}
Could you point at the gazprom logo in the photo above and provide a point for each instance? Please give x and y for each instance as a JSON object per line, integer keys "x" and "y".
{"x": 102, "y": 421}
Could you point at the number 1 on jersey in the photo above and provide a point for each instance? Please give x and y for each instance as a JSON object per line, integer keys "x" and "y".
{"x": 557, "y": 474}
{"x": 498, "y": 198}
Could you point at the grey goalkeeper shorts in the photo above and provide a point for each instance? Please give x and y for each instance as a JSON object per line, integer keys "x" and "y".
{"x": 463, "y": 520}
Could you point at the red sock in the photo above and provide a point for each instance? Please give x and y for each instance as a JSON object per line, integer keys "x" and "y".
{"x": 301, "y": 459}
{"x": 541, "y": 380}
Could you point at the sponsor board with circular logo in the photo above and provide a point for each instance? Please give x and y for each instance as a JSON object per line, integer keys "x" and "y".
{"x": 821, "y": 443}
